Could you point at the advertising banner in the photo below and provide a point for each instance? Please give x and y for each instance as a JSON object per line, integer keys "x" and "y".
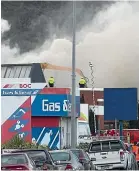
{"x": 22, "y": 89}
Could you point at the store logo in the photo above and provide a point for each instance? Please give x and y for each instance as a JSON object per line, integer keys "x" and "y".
{"x": 66, "y": 106}
{"x": 50, "y": 106}
{"x": 55, "y": 106}
{"x": 24, "y": 85}
{"x": 8, "y": 86}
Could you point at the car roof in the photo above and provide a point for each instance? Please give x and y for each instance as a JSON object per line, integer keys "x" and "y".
{"x": 65, "y": 150}
{"x": 6, "y": 154}
{"x": 24, "y": 150}
{"x": 105, "y": 140}
{"x": 76, "y": 149}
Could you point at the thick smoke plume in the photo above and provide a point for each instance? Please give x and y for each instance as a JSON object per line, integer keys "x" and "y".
{"x": 110, "y": 41}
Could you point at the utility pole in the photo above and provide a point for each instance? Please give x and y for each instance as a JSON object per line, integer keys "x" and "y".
{"x": 73, "y": 107}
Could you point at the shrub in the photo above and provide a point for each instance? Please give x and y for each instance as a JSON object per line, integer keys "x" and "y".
{"x": 19, "y": 143}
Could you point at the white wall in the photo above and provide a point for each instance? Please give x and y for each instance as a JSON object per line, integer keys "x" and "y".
{"x": 99, "y": 110}
{"x": 15, "y": 80}
{"x": 9, "y": 104}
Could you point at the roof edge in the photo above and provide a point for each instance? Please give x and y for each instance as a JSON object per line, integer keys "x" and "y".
{"x": 91, "y": 89}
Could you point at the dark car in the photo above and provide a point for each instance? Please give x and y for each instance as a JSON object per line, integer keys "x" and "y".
{"x": 84, "y": 159}
{"x": 41, "y": 158}
{"x": 67, "y": 159}
{"x": 20, "y": 161}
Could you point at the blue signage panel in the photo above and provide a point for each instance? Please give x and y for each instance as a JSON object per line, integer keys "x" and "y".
{"x": 53, "y": 105}
{"x": 120, "y": 104}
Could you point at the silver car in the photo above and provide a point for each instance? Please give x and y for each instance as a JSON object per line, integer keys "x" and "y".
{"x": 66, "y": 160}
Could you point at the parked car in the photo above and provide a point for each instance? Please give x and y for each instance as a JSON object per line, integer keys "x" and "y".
{"x": 109, "y": 154}
{"x": 42, "y": 158}
{"x": 84, "y": 159}
{"x": 132, "y": 158}
{"x": 20, "y": 161}
{"x": 67, "y": 159}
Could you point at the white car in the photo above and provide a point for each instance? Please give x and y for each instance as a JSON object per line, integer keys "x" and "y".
{"x": 109, "y": 154}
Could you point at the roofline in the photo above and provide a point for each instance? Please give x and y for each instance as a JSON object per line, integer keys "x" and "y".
{"x": 91, "y": 89}
{"x": 47, "y": 66}
{"x": 6, "y": 65}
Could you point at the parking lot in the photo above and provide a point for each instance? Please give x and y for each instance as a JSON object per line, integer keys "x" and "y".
{"x": 108, "y": 154}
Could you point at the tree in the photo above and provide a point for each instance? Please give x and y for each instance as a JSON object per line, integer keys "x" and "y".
{"x": 126, "y": 124}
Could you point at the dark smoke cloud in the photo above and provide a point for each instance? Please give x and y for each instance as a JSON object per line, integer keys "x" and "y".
{"x": 32, "y": 22}
{"x": 107, "y": 35}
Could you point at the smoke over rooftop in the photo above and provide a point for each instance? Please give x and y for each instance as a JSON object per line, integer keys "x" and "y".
{"x": 107, "y": 35}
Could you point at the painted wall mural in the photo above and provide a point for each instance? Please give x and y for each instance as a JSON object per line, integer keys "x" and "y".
{"x": 18, "y": 119}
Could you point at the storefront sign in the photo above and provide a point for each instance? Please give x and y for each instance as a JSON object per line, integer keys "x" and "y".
{"x": 53, "y": 105}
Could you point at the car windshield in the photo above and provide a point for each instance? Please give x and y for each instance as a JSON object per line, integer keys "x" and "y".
{"x": 13, "y": 159}
{"x": 60, "y": 156}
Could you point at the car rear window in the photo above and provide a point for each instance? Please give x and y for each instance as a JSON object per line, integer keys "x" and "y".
{"x": 13, "y": 159}
{"x": 37, "y": 155}
{"x": 95, "y": 146}
{"x": 105, "y": 146}
{"x": 116, "y": 145}
{"x": 60, "y": 156}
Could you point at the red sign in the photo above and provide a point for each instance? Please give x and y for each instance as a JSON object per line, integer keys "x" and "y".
{"x": 25, "y": 85}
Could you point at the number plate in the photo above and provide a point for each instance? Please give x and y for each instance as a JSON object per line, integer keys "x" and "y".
{"x": 105, "y": 167}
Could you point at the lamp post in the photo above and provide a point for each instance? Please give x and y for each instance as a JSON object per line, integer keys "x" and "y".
{"x": 73, "y": 107}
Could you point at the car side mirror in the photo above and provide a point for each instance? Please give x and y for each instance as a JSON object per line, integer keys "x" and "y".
{"x": 93, "y": 159}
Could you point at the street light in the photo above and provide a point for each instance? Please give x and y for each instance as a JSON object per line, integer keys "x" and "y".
{"x": 73, "y": 108}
